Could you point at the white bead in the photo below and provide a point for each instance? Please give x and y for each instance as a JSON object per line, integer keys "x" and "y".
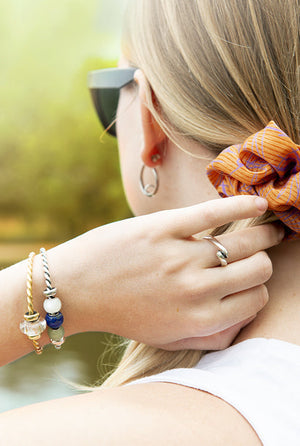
{"x": 52, "y": 305}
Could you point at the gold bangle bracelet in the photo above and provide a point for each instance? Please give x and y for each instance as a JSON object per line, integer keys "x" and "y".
{"x": 32, "y": 326}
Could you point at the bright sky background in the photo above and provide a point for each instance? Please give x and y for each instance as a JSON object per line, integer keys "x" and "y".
{"x": 43, "y": 43}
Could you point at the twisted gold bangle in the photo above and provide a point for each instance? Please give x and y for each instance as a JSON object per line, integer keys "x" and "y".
{"x": 32, "y": 326}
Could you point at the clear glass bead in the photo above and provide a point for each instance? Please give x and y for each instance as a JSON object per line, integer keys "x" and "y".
{"x": 33, "y": 328}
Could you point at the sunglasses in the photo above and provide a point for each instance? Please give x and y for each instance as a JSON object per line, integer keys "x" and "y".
{"x": 105, "y": 86}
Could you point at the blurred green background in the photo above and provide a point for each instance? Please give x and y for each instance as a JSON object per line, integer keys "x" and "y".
{"x": 57, "y": 179}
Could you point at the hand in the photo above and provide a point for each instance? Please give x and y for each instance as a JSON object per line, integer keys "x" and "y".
{"x": 148, "y": 279}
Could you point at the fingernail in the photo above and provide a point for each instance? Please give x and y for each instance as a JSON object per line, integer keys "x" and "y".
{"x": 261, "y": 204}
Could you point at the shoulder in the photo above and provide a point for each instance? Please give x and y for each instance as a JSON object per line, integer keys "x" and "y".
{"x": 148, "y": 414}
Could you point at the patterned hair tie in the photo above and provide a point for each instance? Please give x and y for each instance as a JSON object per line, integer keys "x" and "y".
{"x": 266, "y": 164}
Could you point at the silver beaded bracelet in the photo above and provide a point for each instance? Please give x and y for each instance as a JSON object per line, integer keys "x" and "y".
{"x": 52, "y": 306}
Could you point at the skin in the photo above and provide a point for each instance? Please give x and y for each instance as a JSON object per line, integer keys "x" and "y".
{"x": 174, "y": 163}
{"x": 279, "y": 319}
{"x": 163, "y": 413}
{"x": 143, "y": 139}
{"x": 194, "y": 303}
{"x": 183, "y": 286}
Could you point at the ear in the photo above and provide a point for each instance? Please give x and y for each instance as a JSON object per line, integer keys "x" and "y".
{"x": 154, "y": 137}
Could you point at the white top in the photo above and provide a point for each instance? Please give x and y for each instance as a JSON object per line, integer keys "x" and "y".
{"x": 259, "y": 377}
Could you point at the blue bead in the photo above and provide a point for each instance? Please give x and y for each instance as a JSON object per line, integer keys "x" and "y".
{"x": 54, "y": 320}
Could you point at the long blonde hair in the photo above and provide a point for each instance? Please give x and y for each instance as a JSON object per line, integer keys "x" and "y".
{"x": 220, "y": 71}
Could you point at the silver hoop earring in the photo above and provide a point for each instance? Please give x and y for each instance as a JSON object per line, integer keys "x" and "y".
{"x": 149, "y": 189}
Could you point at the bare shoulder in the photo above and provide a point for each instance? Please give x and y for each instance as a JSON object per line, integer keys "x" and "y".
{"x": 148, "y": 414}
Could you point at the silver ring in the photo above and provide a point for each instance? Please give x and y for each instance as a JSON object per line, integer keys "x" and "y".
{"x": 222, "y": 253}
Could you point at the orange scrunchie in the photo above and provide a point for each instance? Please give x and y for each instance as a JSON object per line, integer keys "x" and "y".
{"x": 266, "y": 164}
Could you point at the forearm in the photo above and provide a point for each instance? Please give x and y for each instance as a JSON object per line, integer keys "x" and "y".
{"x": 149, "y": 280}
{"x": 78, "y": 281}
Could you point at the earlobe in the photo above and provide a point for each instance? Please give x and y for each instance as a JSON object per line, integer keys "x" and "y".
{"x": 154, "y": 137}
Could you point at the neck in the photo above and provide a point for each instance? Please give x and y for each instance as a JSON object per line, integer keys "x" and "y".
{"x": 280, "y": 317}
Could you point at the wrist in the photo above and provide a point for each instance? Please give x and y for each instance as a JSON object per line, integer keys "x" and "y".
{"x": 78, "y": 280}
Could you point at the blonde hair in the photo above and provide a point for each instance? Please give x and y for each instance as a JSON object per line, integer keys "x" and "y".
{"x": 220, "y": 71}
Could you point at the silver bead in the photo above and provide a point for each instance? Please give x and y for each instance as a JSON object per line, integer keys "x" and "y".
{"x": 50, "y": 292}
{"x": 58, "y": 344}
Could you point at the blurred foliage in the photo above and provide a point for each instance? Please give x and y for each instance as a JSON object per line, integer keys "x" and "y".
{"x": 56, "y": 178}
{"x": 56, "y": 170}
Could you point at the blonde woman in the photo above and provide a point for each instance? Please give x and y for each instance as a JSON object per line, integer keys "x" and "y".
{"x": 195, "y": 77}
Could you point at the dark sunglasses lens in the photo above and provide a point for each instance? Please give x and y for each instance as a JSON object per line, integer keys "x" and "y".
{"x": 106, "y": 103}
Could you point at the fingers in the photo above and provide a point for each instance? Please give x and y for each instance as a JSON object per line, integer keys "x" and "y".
{"x": 243, "y": 298}
{"x": 216, "y": 341}
{"x": 240, "y": 244}
{"x": 231, "y": 295}
{"x": 231, "y": 311}
{"x": 210, "y": 214}
{"x": 244, "y": 304}
{"x": 239, "y": 276}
